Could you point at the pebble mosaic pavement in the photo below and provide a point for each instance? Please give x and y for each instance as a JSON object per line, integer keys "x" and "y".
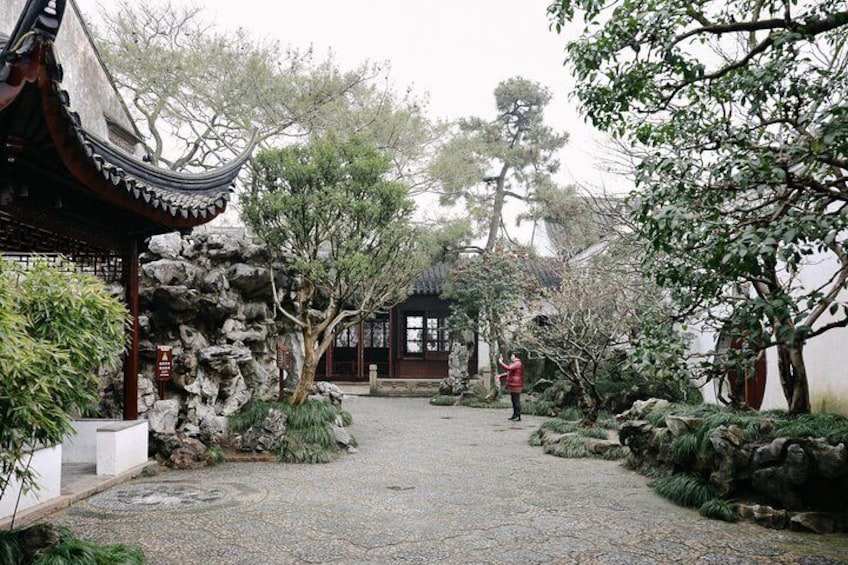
{"x": 427, "y": 485}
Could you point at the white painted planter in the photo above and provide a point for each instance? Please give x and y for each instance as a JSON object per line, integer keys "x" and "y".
{"x": 81, "y": 447}
{"x": 47, "y": 465}
{"x": 121, "y": 446}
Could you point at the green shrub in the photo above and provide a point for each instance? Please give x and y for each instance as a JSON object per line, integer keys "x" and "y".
{"x": 347, "y": 417}
{"x": 597, "y": 433}
{"x": 570, "y": 413}
{"x": 294, "y": 449}
{"x": 56, "y": 329}
{"x": 683, "y": 489}
{"x": 215, "y": 455}
{"x": 65, "y": 549}
{"x": 443, "y": 400}
{"x": 10, "y": 549}
{"x": 474, "y": 402}
{"x": 575, "y": 446}
{"x": 556, "y": 426}
{"x": 607, "y": 423}
{"x": 832, "y": 427}
{"x": 251, "y": 415}
{"x": 310, "y": 414}
{"x": 684, "y": 449}
{"x": 560, "y": 426}
{"x": 538, "y": 408}
{"x": 309, "y": 436}
{"x": 571, "y": 448}
{"x": 718, "y": 509}
{"x": 651, "y": 471}
{"x": 80, "y": 552}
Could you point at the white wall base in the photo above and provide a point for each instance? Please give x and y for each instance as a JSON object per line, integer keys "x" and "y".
{"x": 81, "y": 447}
{"x": 121, "y": 446}
{"x": 47, "y": 465}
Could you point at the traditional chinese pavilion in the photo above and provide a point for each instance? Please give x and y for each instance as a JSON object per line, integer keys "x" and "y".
{"x": 73, "y": 179}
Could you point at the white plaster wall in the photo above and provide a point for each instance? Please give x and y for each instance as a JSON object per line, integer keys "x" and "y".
{"x": 121, "y": 446}
{"x": 826, "y": 356}
{"x": 47, "y": 464}
{"x": 81, "y": 447}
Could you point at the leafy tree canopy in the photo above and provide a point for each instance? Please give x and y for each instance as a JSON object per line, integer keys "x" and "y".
{"x": 326, "y": 210}
{"x": 200, "y": 94}
{"x": 510, "y": 156}
{"x": 741, "y": 110}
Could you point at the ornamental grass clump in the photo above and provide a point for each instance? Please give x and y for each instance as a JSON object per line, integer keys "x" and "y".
{"x": 684, "y": 489}
{"x": 833, "y": 428}
{"x": 718, "y": 509}
{"x": 443, "y": 400}
{"x": 309, "y": 436}
{"x": 56, "y": 545}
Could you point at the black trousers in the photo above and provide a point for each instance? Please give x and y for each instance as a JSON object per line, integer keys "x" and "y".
{"x": 516, "y": 404}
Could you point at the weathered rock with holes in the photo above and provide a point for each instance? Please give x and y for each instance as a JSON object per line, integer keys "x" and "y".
{"x": 190, "y": 453}
{"x": 803, "y": 482}
{"x": 251, "y": 280}
{"x": 829, "y": 461}
{"x": 642, "y": 408}
{"x": 342, "y": 436}
{"x": 164, "y": 416}
{"x": 733, "y": 458}
{"x": 329, "y": 391}
{"x": 818, "y": 522}
{"x": 167, "y": 245}
{"x": 268, "y": 436}
{"x": 171, "y": 272}
{"x": 601, "y": 447}
{"x": 763, "y": 515}
{"x": 679, "y": 425}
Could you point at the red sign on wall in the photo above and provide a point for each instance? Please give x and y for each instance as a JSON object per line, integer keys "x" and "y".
{"x": 164, "y": 362}
{"x": 283, "y": 357}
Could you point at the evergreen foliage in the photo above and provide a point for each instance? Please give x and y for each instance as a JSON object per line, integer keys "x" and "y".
{"x": 740, "y": 159}
{"x": 56, "y": 329}
{"x": 66, "y": 550}
{"x": 684, "y": 489}
{"x": 326, "y": 209}
{"x": 308, "y": 437}
{"x": 718, "y": 509}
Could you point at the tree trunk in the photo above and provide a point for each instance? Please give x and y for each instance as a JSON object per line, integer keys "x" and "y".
{"x": 793, "y": 377}
{"x": 587, "y": 403}
{"x": 494, "y": 382}
{"x": 307, "y": 374}
{"x": 497, "y": 210}
{"x": 799, "y": 400}
{"x": 304, "y": 387}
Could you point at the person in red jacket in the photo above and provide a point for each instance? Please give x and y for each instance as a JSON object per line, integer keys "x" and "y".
{"x": 514, "y": 383}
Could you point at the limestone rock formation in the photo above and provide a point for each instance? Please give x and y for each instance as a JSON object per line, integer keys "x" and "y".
{"x": 207, "y": 295}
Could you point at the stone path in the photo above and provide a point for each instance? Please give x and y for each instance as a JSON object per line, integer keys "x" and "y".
{"x": 428, "y": 485}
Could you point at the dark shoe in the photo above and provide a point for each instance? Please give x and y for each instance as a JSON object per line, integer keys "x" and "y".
{"x": 511, "y": 418}
{"x": 517, "y": 419}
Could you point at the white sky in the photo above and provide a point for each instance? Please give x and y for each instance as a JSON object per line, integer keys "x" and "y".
{"x": 456, "y": 51}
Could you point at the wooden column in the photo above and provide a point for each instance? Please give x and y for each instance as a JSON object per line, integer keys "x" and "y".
{"x": 131, "y": 362}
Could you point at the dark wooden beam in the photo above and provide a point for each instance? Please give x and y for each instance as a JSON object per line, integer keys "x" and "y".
{"x": 131, "y": 363}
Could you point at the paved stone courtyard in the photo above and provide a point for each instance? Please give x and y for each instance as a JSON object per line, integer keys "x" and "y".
{"x": 427, "y": 485}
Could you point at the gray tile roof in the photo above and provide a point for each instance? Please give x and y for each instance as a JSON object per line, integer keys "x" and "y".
{"x": 168, "y": 197}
